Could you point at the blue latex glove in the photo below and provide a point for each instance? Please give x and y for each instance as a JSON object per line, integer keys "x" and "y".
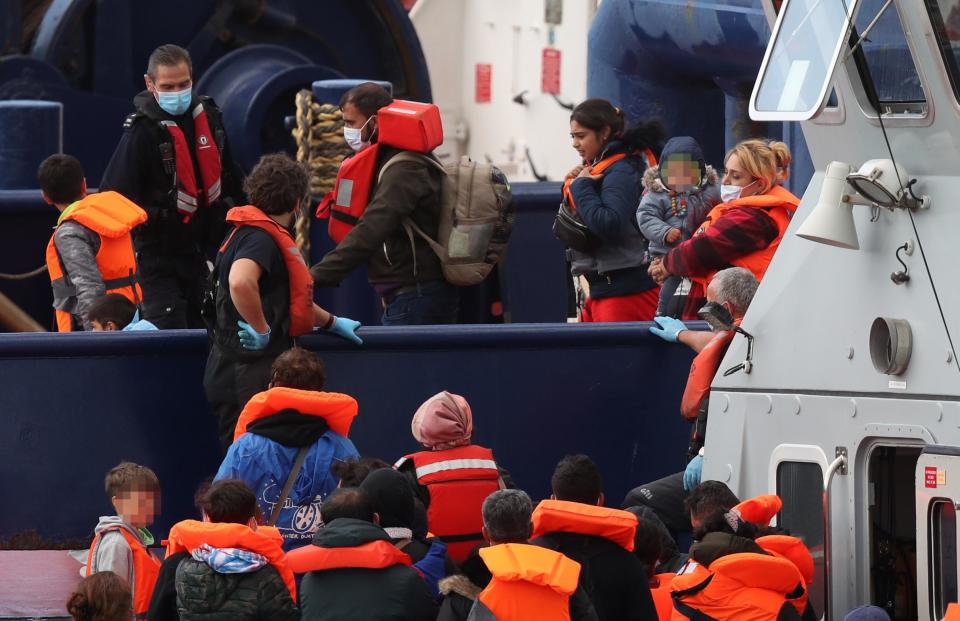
{"x": 668, "y": 328}
{"x": 346, "y": 329}
{"x": 691, "y": 476}
{"x": 251, "y": 339}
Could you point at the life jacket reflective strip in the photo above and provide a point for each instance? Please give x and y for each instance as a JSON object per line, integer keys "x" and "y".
{"x": 702, "y": 371}
{"x": 372, "y": 555}
{"x": 602, "y": 165}
{"x": 741, "y": 587}
{"x": 528, "y": 582}
{"x": 660, "y": 592}
{"x": 188, "y": 535}
{"x": 760, "y": 510}
{"x": 561, "y": 516}
{"x": 337, "y": 409}
{"x": 793, "y": 550}
{"x": 111, "y": 216}
{"x": 458, "y": 481}
{"x": 777, "y": 203}
{"x": 351, "y": 193}
{"x": 146, "y": 568}
{"x": 190, "y": 195}
{"x": 301, "y": 283}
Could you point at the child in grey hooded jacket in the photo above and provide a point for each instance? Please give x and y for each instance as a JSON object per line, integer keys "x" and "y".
{"x": 677, "y": 196}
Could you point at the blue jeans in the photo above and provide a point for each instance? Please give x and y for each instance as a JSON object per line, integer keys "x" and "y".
{"x": 435, "y": 302}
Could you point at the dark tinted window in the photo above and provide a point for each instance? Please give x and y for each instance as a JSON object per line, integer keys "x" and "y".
{"x": 945, "y": 18}
{"x": 943, "y": 555}
{"x": 800, "y": 486}
{"x": 883, "y": 58}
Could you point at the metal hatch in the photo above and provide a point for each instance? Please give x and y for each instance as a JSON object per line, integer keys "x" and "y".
{"x": 798, "y": 66}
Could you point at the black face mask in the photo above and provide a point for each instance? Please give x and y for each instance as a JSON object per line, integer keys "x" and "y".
{"x": 717, "y": 316}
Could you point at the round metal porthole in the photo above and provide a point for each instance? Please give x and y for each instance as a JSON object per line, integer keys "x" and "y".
{"x": 891, "y": 343}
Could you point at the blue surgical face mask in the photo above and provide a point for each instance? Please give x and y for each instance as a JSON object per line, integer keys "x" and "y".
{"x": 175, "y": 103}
{"x": 732, "y": 192}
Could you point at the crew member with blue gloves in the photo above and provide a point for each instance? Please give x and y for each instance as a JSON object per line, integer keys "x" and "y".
{"x": 262, "y": 292}
{"x": 729, "y": 292}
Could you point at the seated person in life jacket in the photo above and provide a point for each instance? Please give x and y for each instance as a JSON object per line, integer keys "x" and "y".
{"x": 227, "y": 566}
{"x": 113, "y": 312}
{"x": 262, "y": 293}
{"x": 353, "y": 570}
{"x": 733, "y": 290}
{"x": 652, "y": 542}
{"x": 121, "y": 540}
{"x": 393, "y": 501}
{"x": 451, "y": 492}
{"x": 353, "y": 472}
{"x": 575, "y": 523}
{"x": 293, "y": 422}
{"x": 648, "y": 523}
{"x": 526, "y": 581}
{"x": 730, "y": 576}
{"x": 403, "y": 270}
{"x": 104, "y": 596}
{"x": 91, "y": 250}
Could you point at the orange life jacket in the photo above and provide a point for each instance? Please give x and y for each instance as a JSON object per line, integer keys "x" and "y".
{"x": 528, "y": 582}
{"x": 146, "y": 568}
{"x": 458, "y": 481}
{"x": 301, "y": 283}
{"x": 601, "y": 166}
{"x": 760, "y": 510}
{"x": 406, "y": 125}
{"x": 660, "y": 592}
{"x": 111, "y": 216}
{"x": 794, "y": 550}
{"x": 188, "y": 535}
{"x": 777, "y": 203}
{"x": 737, "y": 587}
{"x": 190, "y": 194}
{"x": 337, "y": 409}
{"x": 702, "y": 371}
{"x": 372, "y": 555}
{"x": 953, "y": 613}
{"x": 562, "y": 516}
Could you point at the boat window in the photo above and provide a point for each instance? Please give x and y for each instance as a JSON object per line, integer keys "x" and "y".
{"x": 807, "y": 40}
{"x": 943, "y": 555}
{"x": 800, "y": 486}
{"x": 945, "y": 19}
{"x": 883, "y": 58}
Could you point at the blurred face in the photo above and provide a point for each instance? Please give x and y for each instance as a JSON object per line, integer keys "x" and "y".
{"x": 587, "y": 142}
{"x": 681, "y": 173}
{"x": 137, "y": 508}
{"x": 354, "y": 119}
{"x": 712, "y": 297}
{"x": 736, "y": 175}
{"x": 170, "y": 79}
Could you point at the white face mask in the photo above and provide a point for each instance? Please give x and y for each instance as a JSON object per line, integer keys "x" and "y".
{"x": 352, "y": 136}
{"x": 732, "y": 192}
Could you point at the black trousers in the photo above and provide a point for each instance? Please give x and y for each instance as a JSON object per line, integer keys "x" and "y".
{"x": 665, "y": 497}
{"x": 229, "y": 384}
{"x": 172, "y": 288}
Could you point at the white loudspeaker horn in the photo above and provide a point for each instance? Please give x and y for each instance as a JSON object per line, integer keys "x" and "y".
{"x": 831, "y": 221}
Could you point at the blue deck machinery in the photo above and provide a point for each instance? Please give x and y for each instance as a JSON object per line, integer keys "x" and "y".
{"x": 538, "y": 391}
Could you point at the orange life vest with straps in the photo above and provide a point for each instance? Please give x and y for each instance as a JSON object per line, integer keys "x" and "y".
{"x": 192, "y": 194}
{"x": 146, "y": 568}
{"x": 602, "y": 165}
{"x": 188, "y": 535}
{"x": 372, "y": 555}
{"x": 111, "y": 216}
{"x": 736, "y": 587}
{"x": 301, "y": 283}
{"x": 793, "y": 550}
{"x": 528, "y": 582}
{"x": 337, "y": 409}
{"x": 406, "y": 125}
{"x": 562, "y": 516}
{"x": 777, "y": 203}
{"x": 702, "y": 371}
{"x": 660, "y": 592}
{"x": 760, "y": 510}
{"x": 458, "y": 481}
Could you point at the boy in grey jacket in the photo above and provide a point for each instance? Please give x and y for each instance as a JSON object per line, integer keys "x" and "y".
{"x": 677, "y": 196}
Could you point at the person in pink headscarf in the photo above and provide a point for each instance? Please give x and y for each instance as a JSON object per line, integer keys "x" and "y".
{"x": 452, "y": 476}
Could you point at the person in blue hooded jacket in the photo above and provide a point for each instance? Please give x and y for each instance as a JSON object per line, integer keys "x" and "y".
{"x": 604, "y": 191}
{"x": 293, "y": 415}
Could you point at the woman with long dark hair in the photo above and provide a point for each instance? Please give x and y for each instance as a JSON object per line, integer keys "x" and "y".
{"x": 596, "y": 220}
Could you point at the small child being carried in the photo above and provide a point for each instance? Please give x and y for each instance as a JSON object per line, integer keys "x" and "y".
{"x": 677, "y": 196}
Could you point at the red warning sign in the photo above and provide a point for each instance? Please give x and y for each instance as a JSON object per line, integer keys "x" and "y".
{"x": 482, "y": 83}
{"x": 550, "y": 71}
{"x": 930, "y": 477}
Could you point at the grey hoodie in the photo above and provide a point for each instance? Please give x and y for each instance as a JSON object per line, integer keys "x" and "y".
{"x": 655, "y": 215}
{"x": 77, "y": 247}
{"x": 112, "y": 552}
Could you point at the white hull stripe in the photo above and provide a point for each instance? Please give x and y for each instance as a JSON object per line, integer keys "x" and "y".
{"x": 456, "y": 464}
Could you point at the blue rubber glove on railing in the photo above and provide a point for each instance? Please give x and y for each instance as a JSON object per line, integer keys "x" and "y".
{"x": 251, "y": 339}
{"x": 668, "y": 328}
{"x": 346, "y": 329}
{"x": 691, "y": 476}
